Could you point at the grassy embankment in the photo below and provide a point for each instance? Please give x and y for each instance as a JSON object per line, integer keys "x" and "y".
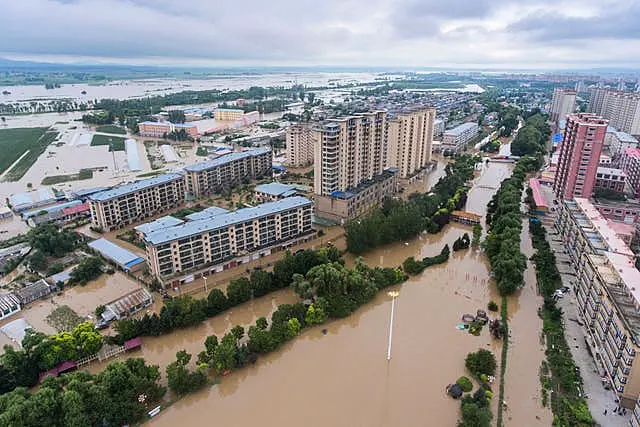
{"x": 115, "y": 143}
{"x": 15, "y": 142}
{"x": 57, "y": 179}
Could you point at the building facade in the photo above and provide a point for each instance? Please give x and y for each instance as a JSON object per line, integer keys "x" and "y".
{"x": 606, "y": 295}
{"x": 341, "y": 206}
{"x": 349, "y": 151}
{"x": 563, "y": 103}
{"x": 130, "y": 203}
{"x": 299, "y": 146}
{"x": 211, "y": 242}
{"x": 438, "y": 127}
{"x": 610, "y": 179}
{"x": 228, "y": 114}
{"x": 227, "y": 171}
{"x": 579, "y": 156}
{"x": 456, "y": 139}
{"x": 162, "y": 129}
{"x": 630, "y": 164}
{"x": 410, "y": 137}
{"x": 622, "y": 109}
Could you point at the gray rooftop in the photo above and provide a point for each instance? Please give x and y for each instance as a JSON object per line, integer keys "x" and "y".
{"x": 209, "y": 224}
{"x": 277, "y": 189}
{"x": 460, "y": 129}
{"x": 115, "y": 253}
{"x": 226, "y": 158}
{"x": 158, "y": 224}
{"x": 134, "y": 186}
{"x": 209, "y": 212}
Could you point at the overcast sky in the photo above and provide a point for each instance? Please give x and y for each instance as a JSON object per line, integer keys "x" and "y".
{"x": 430, "y": 33}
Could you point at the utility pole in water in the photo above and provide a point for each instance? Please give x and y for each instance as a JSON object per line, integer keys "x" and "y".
{"x": 393, "y": 295}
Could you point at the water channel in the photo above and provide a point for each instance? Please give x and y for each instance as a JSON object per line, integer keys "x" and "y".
{"x": 342, "y": 378}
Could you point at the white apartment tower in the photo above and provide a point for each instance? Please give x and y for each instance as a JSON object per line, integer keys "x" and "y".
{"x": 622, "y": 109}
{"x": 410, "y": 137}
{"x": 562, "y": 103}
{"x": 349, "y": 151}
{"x": 299, "y": 146}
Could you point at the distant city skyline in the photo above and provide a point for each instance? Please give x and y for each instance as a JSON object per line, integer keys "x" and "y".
{"x": 511, "y": 34}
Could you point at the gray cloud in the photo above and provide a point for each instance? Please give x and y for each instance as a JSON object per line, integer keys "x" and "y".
{"x": 312, "y": 32}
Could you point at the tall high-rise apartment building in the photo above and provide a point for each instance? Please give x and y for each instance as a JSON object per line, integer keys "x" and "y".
{"x": 563, "y": 103}
{"x": 579, "y": 155}
{"x": 622, "y": 109}
{"x": 349, "y": 151}
{"x": 299, "y": 146}
{"x": 410, "y": 137}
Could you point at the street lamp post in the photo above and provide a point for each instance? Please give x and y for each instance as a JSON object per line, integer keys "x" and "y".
{"x": 205, "y": 284}
{"x": 393, "y": 295}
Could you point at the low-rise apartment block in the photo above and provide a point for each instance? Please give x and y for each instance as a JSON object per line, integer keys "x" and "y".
{"x": 299, "y": 146}
{"x": 162, "y": 129}
{"x": 456, "y": 139}
{"x": 607, "y": 298}
{"x": 130, "y": 203}
{"x": 228, "y": 114}
{"x": 617, "y": 141}
{"x": 273, "y": 192}
{"x": 341, "y": 206}
{"x": 610, "y": 179}
{"x": 222, "y": 241}
{"x": 227, "y": 171}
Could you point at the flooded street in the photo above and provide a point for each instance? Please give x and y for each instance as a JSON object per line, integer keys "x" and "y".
{"x": 343, "y": 377}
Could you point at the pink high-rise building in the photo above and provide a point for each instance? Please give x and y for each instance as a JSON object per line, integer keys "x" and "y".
{"x": 630, "y": 164}
{"x": 579, "y": 155}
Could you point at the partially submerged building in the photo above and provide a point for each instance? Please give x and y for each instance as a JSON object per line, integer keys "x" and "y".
{"x": 121, "y": 257}
{"x": 9, "y": 304}
{"x": 34, "y": 291}
{"x": 127, "y": 305}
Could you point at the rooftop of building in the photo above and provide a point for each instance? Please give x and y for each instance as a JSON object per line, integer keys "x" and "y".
{"x": 192, "y": 228}
{"x": 595, "y": 228}
{"x": 226, "y": 158}
{"x": 621, "y": 136}
{"x": 32, "y": 290}
{"x": 622, "y": 228}
{"x": 179, "y": 125}
{"x": 588, "y": 118}
{"x": 118, "y": 254}
{"x": 610, "y": 171}
{"x": 538, "y": 197}
{"x": 123, "y": 305}
{"x": 632, "y": 152}
{"x": 460, "y": 129}
{"x": 52, "y": 208}
{"x": 237, "y": 110}
{"x": 352, "y": 192}
{"x": 158, "y": 224}
{"x": 28, "y": 197}
{"x": 209, "y": 212}
{"x": 276, "y": 189}
{"x": 134, "y": 186}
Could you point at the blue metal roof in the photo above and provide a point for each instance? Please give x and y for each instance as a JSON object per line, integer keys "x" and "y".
{"x": 158, "y": 224}
{"x": 226, "y": 158}
{"x": 54, "y": 208}
{"x": 209, "y": 224}
{"x": 120, "y": 255}
{"x": 557, "y": 137}
{"x": 135, "y": 186}
{"x": 276, "y": 189}
{"x": 210, "y": 212}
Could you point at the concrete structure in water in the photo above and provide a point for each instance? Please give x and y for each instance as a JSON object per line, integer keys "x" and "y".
{"x": 630, "y": 164}
{"x": 224, "y": 240}
{"x": 130, "y": 203}
{"x": 563, "y": 103}
{"x": 299, "y": 146}
{"x": 622, "y": 109}
{"x": 341, "y": 206}
{"x": 606, "y": 294}
{"x": 410, "y": 137}
{"x": 579, "y": 156}
{"x": 349, "y": 151}
{"x": 227, "y": 171}
{"x": 456, "y": 139}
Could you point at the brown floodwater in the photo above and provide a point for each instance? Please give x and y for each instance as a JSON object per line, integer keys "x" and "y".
{"x": 343, "y": 378}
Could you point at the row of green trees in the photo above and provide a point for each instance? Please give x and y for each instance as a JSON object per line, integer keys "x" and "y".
{"x": 41, "y": 352}
{"x": 412, "y": 267}
{"x": 122, "y": 394}
{"x": 502, "y": 244}
{"x": 399, "y": 220}
{"x": 185, "y": 311}
{"x": 532, "y": 138}
{"x": 331, "y": 291}
{"x": 560, "y": 373}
